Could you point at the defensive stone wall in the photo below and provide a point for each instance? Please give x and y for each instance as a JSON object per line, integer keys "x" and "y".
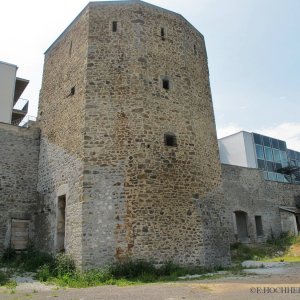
{"x": 19, "y": 153}
{"x": 247, "y": 191}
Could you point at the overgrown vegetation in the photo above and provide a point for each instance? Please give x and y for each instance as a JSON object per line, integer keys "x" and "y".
{"x": 126, "y": 273}
{"x": 4, "y": 278}
{"x": 276, "y": 248}
{"x": 61, "y": 270}
{"x": 28, "y": 261}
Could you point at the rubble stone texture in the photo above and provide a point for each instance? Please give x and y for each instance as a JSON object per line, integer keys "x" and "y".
{"x": 104, "y": 114}
{"x": 246, "y": 190}
{"x": 19, "y": 154}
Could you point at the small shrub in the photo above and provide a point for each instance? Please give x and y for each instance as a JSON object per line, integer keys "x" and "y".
{"x": 9, "y": 254}
{"x": 285, "y": 240}
{"x": 33, "y": 259}
{"x": 132, "y": 269}
{"x": 44, "y": 273}
{"x": 64, "y": 265}
{"x": 3, "y": 278}
{"x": 168, "y": 269}
{"x": 11, "y": 284}
{"x": 241, "y": 252}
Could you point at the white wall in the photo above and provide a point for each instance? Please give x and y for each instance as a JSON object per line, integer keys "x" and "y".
{"x": 7, "y": 89}
{"x": 250, "y": 150}
{"x": 238, "y": 150}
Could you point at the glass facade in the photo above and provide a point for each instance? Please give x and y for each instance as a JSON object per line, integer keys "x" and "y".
{"x": 271, "y": 155}
{"x": 293, "y": 158}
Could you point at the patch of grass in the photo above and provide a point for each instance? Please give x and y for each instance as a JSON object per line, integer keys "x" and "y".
{"x": 241, "y": 252}
{"x": 4, "y": 278}
{"x": 275, "y": 249}
{"x": 295, "y": 259}
{"x": 283, "y": 242}
{"x": 11, "y": 284}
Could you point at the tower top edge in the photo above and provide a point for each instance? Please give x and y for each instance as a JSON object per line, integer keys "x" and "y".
{"x": 94, "y": 4}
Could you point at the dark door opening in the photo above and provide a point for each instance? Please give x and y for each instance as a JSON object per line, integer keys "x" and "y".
{"x": 61, "y": 223}
{"x": 241, "y": 224}
{"x": 298, "y": 222}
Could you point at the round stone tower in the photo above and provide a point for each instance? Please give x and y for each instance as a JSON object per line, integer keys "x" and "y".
{"x": 126, "y": 104}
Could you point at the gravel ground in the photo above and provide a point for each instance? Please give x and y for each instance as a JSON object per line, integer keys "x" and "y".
{"x": 268, "y": 283}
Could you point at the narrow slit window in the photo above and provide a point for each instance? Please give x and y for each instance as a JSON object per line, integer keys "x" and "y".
{"x": 195, "y": 50}
{"x": 72, "y": 92}
{"x": 166, "y": 84}
{"x": 162, "y": 33}
{"x": 114, "y": 26}
{"x": 170, "y": 140}
{"x": 70, "y": 48}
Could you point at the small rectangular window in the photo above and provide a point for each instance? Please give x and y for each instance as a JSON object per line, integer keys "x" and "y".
{"x": 166, "y": 84}
{"x": 162, "y": 33}
{"x": 259, "y": 227}
{"x": 170, "y": 140}
{"x": 114, "y": 26}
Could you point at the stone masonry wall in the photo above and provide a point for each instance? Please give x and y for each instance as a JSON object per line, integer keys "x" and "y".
{"x": 246, "y": 190}
{"x": 61, "y": 114}
{"x": 19, "y": 152}
{"x": 143, "y": 199}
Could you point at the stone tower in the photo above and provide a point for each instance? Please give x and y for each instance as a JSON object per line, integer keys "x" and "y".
{"x": 129, "y": 163}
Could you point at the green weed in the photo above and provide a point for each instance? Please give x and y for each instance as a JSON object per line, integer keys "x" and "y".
{"x": 272, "y": 249}
{"x": 4, "y": 278}
{"x": 11, "y": 284}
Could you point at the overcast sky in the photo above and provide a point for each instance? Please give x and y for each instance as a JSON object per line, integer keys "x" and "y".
{"x": 253, "y": 51}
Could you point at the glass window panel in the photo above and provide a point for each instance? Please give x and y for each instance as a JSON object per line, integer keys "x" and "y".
{"x": 267, "y": 141}
{"x": 280, "y": 177}
{"x": 272, "y": 176}
{"x": 261, "y": 164}
{"x": 257, "y": 138}
{"x": 287, "y": 178}
{"x": 275, "y": 143}
{"x": 290, "y": 154}
{"x": 270, "y": 166}
{"x": 282, "y": 145}
{"x": 276, "y": 155}
{"x": 298, "y": 155}
{"x": 278, "y": 167}
{"x": 283, "y": 157}
{"x": 259, "y": 151}
{"x": 268, "y": 152}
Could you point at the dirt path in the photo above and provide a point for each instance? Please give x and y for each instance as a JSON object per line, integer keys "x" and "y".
{"x": 277, "y": 283}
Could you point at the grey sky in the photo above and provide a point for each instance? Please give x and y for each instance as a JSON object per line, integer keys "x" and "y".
{"x": 253, "y": 50}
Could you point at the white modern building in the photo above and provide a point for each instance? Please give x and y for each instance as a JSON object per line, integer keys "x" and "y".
{"x": 13, "y": 109}
{"x": 252, "y": 150}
